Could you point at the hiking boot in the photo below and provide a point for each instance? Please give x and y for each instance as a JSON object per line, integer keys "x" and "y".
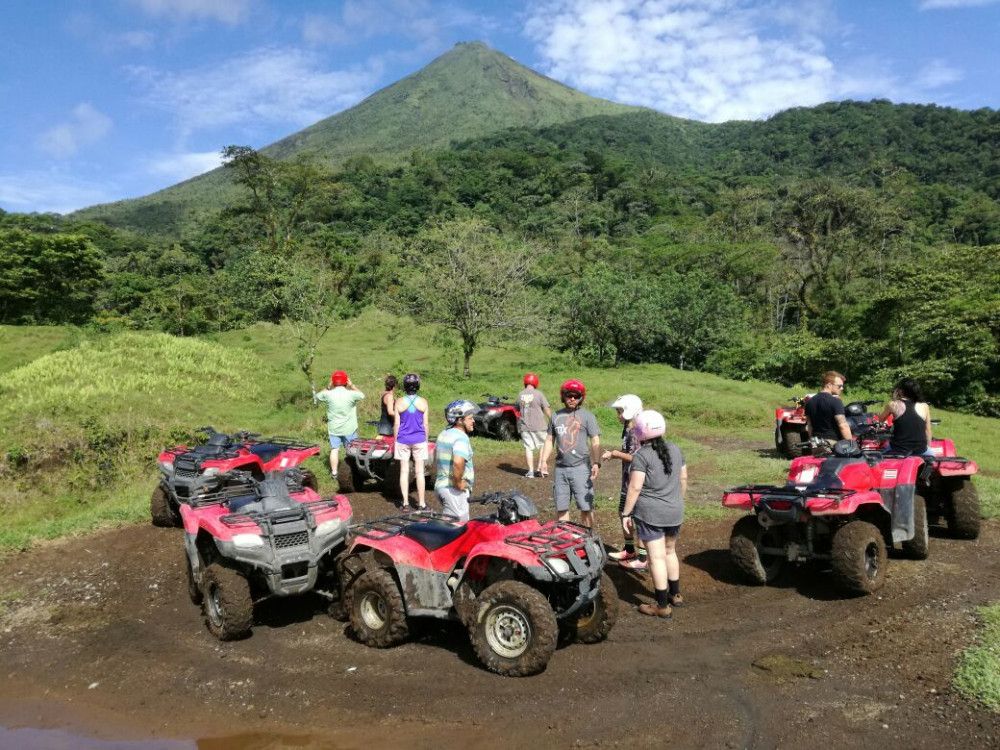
{"x": 656, "y": 611}
{"x": 636, "y": 563}
{"x": 676, "y": 600}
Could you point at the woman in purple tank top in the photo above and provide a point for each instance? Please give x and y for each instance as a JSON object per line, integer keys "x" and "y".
{"x": 410, "y": 430}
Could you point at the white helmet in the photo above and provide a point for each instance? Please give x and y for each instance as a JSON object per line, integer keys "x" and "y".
{"x": 649, "y": 424}
{"x": 630, "y": 405}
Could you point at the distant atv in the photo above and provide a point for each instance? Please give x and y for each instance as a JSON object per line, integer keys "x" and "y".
{"x": 791, "y": 435}
{"x": 371, "y": 459}
{"x": 513, "y": 582}
{"x": 497, "y": 418}
{"x": 845, "y": 510}
{"x": 260, "y": 538}
{"x": 190, "y": 472}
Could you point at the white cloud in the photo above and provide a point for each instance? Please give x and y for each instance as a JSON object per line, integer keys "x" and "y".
{"x": 711, "y": 60}
{"x": 948, "y": 4}
{"x": 178, "y": 167}
{"x": 53, "y": 191}
{"x": 231, "y": 12}
{"x": 265, "y": 86}
{"x": 86, "y": 126}
{"x": 936, "y": 74}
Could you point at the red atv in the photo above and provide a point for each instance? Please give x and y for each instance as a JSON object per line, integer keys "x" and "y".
{"x": 190, "y": 472}
{"x": 255, "y": 539}
{"x": 946, "y": 483}
{"x": 371, "y": 458}
{"x": 497, "y": 418}
{"x": 513, "y": 582}
{"x": 845, "y": 509}
{"x": 791, "y": 433}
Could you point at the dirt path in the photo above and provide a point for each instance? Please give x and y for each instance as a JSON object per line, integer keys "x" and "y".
{"x": 102, "y": 638}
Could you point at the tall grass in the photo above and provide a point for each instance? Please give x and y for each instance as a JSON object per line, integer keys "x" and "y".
{"x": 81, "y": 427}
{"x": 978, "y": 672}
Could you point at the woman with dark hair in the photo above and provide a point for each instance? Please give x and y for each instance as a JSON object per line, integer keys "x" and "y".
{"x": 385, "y": 420}
{"x": 654, "y": 508}
{"x": 411, "y": 428}
{"x": 911, "y": 419}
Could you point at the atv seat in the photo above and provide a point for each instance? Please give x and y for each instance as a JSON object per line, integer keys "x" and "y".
{"x": 434, "y": 534}
{"x": 266, "y": 451}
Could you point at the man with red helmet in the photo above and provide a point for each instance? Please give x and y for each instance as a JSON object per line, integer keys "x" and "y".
{"x": 341, "y": 397}
{"x": 577, "y": 439}
{"x": 534, "y": 420}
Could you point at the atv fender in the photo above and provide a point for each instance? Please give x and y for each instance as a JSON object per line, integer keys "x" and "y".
{"x": 740, "y": 500}
{"x": 961, "y": 467}
{"x": 291, "y": 458}
{"x": 480, "y": 555}
{"x": 846, "y": 505}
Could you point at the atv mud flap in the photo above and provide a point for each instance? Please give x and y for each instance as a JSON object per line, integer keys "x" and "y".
{"x": 899, "y": 502}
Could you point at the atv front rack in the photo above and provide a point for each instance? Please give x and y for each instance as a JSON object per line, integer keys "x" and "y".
{"x": 565, "y": 541}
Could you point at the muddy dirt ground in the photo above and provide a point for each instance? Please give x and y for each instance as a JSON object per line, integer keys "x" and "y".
{"x": 97, "y": 635}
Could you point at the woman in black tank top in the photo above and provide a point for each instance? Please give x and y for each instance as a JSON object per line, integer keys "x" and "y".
{"x": 385, "y": 420}
{"x": 911, "y": 419}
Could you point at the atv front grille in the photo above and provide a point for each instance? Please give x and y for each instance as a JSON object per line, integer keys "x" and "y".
{"x": 185, "y": 473}
{"x": 296, "y": 539}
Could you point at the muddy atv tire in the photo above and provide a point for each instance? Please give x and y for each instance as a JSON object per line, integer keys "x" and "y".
{"x": 309, "y": 480}
{"x": 747, "y": 538}
{"x": 962, "y": 503}
{"x": 791, "y": 437}
{"x": 160, "y": 509}
{"x": 593, "y": 622}
{"x": 376, "y": 610}
{"x": 506, "y": 430}
{"x": 227, "y": 604}
{"x": 515, "y": 631}
{"x": 194, "y": 591}
{"x": 919, "y": 547}
{"x": 346, "y": 477}
{"x": 859, "y": 558}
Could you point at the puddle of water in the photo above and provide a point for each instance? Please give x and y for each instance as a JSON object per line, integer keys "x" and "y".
{"x": 61, "y": 739}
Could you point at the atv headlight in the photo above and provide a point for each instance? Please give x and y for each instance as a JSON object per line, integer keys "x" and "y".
{"x": 559, "y": 565}
{"x": 211, "y": 471}
{"x": 491, "y": 412}
{"x": 328, "y": 527}
{"x": 247, "y": 541}
{"x": 166, "y": 467}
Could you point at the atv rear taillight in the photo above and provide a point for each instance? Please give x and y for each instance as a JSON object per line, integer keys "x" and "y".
{"x": 780, "y": 504}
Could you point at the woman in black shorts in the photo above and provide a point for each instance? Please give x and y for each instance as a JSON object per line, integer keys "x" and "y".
{"x": 654, "y": 508}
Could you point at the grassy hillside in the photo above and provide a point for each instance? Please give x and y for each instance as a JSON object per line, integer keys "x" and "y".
{"x": 81, "y": 427}
{"x": 468, "y": 92}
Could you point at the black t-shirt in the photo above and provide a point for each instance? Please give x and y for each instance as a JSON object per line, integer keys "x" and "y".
{"x": 822, "y": 411}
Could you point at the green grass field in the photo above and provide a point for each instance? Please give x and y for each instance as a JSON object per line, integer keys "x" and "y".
{"x": 82, "y": 417}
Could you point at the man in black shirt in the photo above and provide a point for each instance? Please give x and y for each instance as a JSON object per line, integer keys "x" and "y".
{"x": 825, "y": 411}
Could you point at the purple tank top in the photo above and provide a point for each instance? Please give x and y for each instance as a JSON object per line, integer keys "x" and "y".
{"x": 411, "y": 423}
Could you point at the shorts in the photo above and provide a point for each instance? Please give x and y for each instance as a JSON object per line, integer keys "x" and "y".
{"x": 336, "y": 441}
{"x": 573, "y": 481}
{"x": 454, "y": 502}
{"x": 403, "y": 452}
{"x": 533, "y": 441}
{"x": 649, "y": 533}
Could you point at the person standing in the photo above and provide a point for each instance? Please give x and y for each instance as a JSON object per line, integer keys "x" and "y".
{"x": 628, "y": 408}
{"x": 576, "y": 437}
{"x": 411, "y": 430}
{"x": 534, "y": 420}
{"x": 455, "y": 475}
{"x": 911, "y": 420}
{"x": 341, "y": 398}
{"x": 388, "y": 407}
{"x": 654, "y": 508}
{"x": 825, "y": 416}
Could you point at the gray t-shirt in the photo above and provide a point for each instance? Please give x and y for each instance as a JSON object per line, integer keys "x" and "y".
{"x": 571, "y": 432}
{"x": 660, "y": 501}
{"x": 531, "y": 403}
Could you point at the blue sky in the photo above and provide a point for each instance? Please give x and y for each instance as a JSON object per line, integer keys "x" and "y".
{"x": 110, "y": 99}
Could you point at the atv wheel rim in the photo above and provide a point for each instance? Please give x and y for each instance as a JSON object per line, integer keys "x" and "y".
{"x": 374, "y": 612}
{"x": 508, "y": 631}
{"x": 213, "y": 606}
{"x": 871, "y": 561}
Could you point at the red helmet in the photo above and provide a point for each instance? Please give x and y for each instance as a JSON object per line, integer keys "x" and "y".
{"x": 573, "y": 386}
{"x": 339, "y": 378}
{"x": 531, "y": 379}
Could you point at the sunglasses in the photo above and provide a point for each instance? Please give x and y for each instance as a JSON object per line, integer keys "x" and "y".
{"x": 572, "y": 394}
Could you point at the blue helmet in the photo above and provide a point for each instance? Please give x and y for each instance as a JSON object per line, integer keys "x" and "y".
{"x": 457, "y": 410}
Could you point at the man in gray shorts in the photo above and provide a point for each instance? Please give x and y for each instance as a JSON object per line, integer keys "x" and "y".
{"x": 577, "y": 440}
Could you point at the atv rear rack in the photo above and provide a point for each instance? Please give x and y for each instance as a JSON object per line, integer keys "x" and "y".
{"x": 304, "y": 511}
{"x": 386, "y": 528}
{"x": 288, "y": 443}
{"x": 760, "y": 490}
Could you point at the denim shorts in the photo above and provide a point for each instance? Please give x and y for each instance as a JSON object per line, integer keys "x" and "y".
{"x": 336, "y": 441}
{"x": 649, "y": 533}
